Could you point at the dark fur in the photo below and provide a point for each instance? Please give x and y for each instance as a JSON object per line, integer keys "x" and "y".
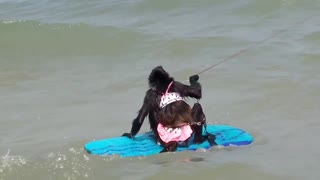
{"x": 172, "y": 114}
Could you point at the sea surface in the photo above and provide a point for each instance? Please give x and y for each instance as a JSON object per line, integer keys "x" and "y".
{"x": 72, "y": 71}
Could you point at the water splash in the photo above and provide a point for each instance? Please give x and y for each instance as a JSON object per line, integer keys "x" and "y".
{"x": 4, "y": 157}
{"x": 71, "y": 165}
{"x": 8, "y": 162}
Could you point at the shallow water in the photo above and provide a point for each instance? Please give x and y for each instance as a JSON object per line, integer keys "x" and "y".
{"x": 74, "y": 71}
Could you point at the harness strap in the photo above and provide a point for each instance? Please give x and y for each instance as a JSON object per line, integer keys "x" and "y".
{"x": 169, "y": 87}
{"x": 167, "y": 90}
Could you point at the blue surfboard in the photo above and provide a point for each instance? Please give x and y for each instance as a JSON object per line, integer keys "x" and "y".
{"x": 145, "y": 145}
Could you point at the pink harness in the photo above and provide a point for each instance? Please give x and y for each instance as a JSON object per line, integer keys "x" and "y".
{"x": 167, "y": 134}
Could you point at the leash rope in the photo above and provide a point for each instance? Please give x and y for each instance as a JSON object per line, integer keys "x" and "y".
{"x": 253, "y": 45}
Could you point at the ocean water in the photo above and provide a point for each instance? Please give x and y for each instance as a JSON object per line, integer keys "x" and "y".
{"x": 73, "y": 71}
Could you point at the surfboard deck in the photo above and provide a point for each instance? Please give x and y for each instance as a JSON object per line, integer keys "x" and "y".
{"x": 145, "y": 145}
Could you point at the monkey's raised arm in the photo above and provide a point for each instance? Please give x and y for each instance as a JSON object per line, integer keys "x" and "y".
{"x": 142, "y": 113}
{"x": 194, "y": 90}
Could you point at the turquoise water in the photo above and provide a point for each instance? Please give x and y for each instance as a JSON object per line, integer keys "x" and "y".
{"x": 74, "y": 71}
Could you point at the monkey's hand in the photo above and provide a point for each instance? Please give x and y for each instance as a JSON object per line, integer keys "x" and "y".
{"x": 193, "y": 79}
{"x": 129, "y": 135}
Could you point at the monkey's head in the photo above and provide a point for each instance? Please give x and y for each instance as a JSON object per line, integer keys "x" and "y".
{"x": 159, "y": 79}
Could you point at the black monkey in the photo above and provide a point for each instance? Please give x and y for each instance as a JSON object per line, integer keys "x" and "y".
{"x": 169, "y": 114}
